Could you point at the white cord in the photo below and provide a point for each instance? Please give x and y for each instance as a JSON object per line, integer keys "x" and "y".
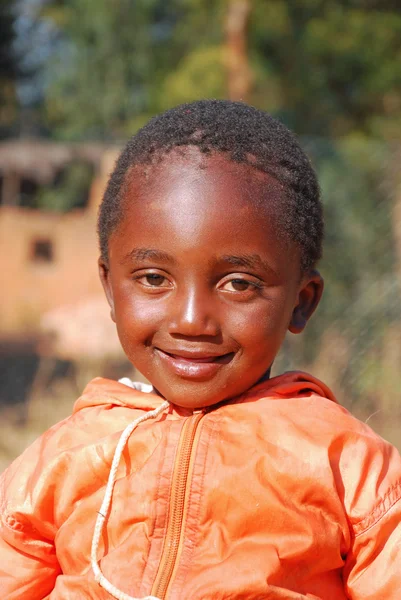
{"x": 104, "y": 509}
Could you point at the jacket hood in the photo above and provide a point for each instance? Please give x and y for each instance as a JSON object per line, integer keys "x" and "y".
{"x": 101, "y": 392}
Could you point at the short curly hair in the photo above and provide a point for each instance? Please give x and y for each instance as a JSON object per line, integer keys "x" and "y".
{"x": 246, "y": 135}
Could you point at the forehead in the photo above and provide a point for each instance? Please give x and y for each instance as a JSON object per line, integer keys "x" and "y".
{"x": 185, "y": 175}
{"x": 198, "y": 207}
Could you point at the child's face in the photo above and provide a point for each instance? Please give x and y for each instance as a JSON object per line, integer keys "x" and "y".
{"x": 201, "y": 286}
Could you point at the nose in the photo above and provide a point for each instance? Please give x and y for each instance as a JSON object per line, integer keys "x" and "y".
{"x": 194, "y": 314}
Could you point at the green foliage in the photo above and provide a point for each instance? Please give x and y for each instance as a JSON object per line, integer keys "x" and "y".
{"x": 326, "y": 67}
{"x": 69, "y": 191}
{"x": 361, "y": 304}
{"x": 118, "y": 61}
{"x": 337, "y": 64}
{"x": 106, "y": 55}
{"x": 201, "y": 69}
{"x": 8, "y": 60}
{"x": 9, "y": 66}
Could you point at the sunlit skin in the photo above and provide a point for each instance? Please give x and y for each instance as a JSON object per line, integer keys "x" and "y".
{"x": 201, "y": 283}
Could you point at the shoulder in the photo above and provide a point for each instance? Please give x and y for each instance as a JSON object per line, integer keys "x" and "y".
{"x": 46, "y": 480}
{"x": 366, "y": 469}
{"x": 317, "y": 436}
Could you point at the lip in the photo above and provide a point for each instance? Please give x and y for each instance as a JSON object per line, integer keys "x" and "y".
{"x": 194, "y": 365}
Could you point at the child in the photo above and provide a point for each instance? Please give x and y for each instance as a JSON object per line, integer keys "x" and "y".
{"x": 220, "y": 482}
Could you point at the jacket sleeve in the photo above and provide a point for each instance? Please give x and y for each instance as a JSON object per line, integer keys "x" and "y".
{"x": 373, "y": 566}
{"x": 28, "y": 562}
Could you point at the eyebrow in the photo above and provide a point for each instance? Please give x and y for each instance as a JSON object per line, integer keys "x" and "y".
{"x": 250, "y": 261}
{"x": 142, "y": 254}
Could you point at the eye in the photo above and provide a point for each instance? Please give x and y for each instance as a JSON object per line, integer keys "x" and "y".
{"x": 240, "y": 285}
{"x": 153, "y": 280}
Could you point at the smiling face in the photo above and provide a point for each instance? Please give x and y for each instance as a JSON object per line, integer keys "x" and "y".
{"x": 201, "y": 284}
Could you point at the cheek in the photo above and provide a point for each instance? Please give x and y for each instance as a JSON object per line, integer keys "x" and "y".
{"x": 137, "y": 318}
{"x": 261, "y": 322}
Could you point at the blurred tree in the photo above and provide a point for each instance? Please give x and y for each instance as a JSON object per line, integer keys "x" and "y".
{"x": 105, "y": 55}
{"x": 68, "y": 191}
{"x": 326, "y": 67}
{"x": 110, "y": 72}
{"x": 9, "y": 67}
{"x": 334, "y": 65}
{"x": 239, "y": 75}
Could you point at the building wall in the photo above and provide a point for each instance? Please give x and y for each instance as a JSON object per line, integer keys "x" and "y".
{"x": 31, "y": 285}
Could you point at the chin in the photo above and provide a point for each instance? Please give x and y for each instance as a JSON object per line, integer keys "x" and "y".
{"x": 192, "y": 398}
{"x": 183, "y": 403}
{"x": 192, "y": 403}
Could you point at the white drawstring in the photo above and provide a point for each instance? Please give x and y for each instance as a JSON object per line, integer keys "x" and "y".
{"x": 104, "y": 509}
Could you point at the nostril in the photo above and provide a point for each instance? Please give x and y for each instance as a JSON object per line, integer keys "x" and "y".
{"x": 195, "y": 329}
{"x": 195, "y": 326}
{"x": 214, "y": 339}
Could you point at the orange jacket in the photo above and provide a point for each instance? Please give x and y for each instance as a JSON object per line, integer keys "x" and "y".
{"x": 278, "y": 494}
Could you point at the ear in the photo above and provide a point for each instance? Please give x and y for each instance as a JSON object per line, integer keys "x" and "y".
{"x": 311, "y": 291}
{"x": 104, "y": 274}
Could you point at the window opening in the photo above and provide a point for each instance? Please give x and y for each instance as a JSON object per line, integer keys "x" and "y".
{"x": 42, "y": 251}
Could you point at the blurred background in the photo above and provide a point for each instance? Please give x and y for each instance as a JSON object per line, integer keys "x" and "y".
{"x": 78, "y": 77}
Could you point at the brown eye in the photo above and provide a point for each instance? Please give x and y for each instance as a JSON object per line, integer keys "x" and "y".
{"x": 238, "y": 285}
{"x": 154, "y": 280}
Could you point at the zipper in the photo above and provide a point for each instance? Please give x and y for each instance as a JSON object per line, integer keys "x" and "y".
{"x": 177, "y": 505}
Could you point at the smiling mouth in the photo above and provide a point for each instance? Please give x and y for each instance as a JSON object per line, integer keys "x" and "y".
{"x": 194, "y": 365}
{"x": 199, "y": 358}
